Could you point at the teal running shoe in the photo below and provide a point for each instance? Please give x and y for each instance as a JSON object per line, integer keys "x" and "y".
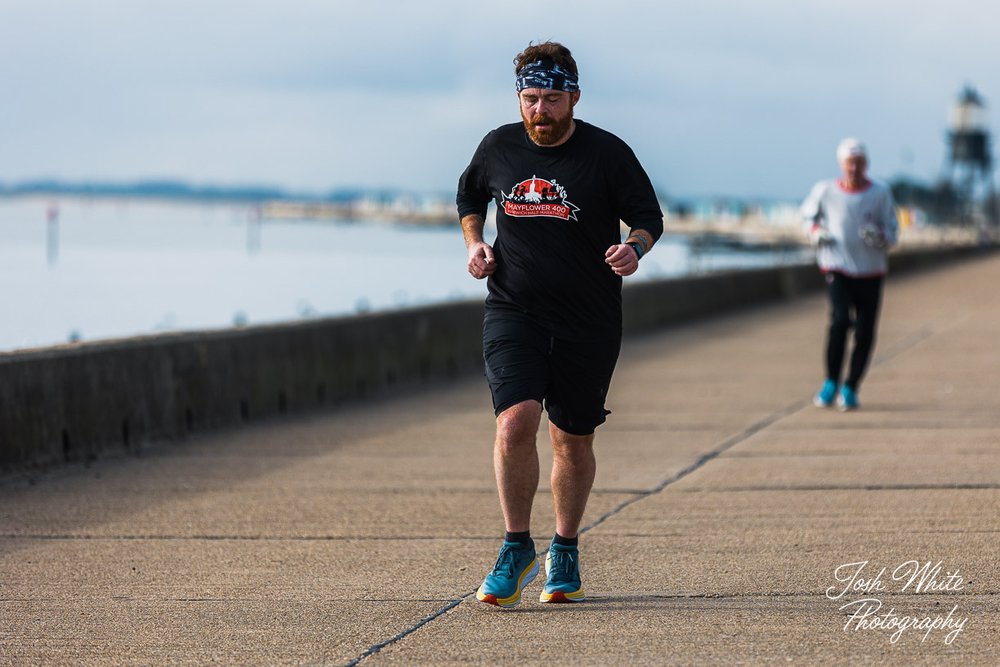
{"x": 848, "y": 399}
{"x": 515, "y": 568}
{"x": 562, "y": 565}
{"x": 827, "y": 393}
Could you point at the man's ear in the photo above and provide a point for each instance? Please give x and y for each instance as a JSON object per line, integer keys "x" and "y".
{"x": 575, "y": 97}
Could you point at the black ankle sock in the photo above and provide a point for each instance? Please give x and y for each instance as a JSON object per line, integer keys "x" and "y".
{"x": 566, "y": 541}
{"x": 523, "y": 538}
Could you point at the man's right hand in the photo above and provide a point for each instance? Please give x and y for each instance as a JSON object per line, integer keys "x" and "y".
{"x": 481, "y": 262}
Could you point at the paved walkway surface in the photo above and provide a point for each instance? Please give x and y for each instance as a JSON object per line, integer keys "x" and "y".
{"x": 724, "y": 505}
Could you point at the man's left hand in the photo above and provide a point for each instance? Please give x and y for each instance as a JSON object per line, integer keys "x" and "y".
{"x": 622, "y": 259}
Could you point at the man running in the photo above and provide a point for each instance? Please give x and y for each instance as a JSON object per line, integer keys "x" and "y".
{"x": 552, "y": 330}
{"x": 852, "y": 223}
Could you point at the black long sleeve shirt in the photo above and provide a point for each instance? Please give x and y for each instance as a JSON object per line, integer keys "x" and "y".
{"x": 558, "y": 211}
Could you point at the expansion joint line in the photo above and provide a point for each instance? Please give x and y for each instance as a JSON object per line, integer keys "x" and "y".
{"x": 375, "y": 648}
{"x": 702, "y": 460}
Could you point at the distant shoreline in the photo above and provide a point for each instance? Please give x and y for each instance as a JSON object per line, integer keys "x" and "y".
{"x": 377, "y": 207}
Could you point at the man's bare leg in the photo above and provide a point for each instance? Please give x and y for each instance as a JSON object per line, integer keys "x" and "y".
{"x": 573, "y": 469}
{"x": 515, "y": 461}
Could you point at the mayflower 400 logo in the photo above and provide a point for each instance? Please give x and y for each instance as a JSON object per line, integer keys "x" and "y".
{"x": 538, "y": 197}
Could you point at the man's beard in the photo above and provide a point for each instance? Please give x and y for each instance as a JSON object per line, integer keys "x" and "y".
{"x": 554, "y": 132}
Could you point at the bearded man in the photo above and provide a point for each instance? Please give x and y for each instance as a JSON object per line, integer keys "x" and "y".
{"x": 553, "y": 323}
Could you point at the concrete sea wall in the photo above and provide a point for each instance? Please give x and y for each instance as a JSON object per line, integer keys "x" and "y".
{"x": 73, "y": 403}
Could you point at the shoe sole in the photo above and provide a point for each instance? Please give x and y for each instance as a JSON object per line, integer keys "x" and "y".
{"x": 559, "y": 597}
{"x": 820, "y": 403}
{"x": 527, "y": 577}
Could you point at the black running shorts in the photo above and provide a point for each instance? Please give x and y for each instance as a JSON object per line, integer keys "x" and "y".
{"x": 570, "y": 378}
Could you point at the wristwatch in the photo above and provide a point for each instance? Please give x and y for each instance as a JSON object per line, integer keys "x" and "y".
{"x": 638, "y": 249}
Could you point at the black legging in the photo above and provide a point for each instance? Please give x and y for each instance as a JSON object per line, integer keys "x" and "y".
{"x": 863, "y": 295}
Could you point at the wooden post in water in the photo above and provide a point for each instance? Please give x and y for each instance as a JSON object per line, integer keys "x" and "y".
{"x": 52, "y": 234}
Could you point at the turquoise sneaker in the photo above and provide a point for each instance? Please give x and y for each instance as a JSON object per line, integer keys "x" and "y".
{"x": 562, "y": 565}
{"x": 515, "y": 568}
{"x": 848, "y": 399}
{"x": 827, "y": 393}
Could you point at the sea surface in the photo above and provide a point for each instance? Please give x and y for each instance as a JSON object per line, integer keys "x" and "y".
{"x": 79, "y": 269}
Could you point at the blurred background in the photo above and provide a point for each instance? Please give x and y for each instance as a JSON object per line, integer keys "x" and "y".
{"x": 177, "y": 166}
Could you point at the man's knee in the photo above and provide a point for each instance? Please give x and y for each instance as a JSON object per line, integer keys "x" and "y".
{"x": 518, "y": 424}
{"x": 569, "y": 445}
{"x": 864, "y": 336}
{"x": 839, "y": 326}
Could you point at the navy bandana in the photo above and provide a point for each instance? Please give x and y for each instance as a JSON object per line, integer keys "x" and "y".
{"x": 546, "y": 74}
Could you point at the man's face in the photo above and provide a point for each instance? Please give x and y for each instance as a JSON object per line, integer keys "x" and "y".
{"x": 547, "y": 114}
{"x": 853, "y": 169}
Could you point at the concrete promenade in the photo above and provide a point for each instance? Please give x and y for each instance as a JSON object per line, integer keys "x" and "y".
{"x": 723, "y": 506}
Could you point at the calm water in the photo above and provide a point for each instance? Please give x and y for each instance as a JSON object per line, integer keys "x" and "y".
{"x": 109, "y": 269}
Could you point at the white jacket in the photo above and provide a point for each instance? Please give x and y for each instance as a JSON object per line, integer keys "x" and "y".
{"x": 846, "y": 216}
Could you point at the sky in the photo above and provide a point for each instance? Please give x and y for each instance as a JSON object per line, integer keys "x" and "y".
{"x": 743, "y": 99}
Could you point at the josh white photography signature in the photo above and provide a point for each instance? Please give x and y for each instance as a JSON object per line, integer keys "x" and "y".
{"x": 854, "y": 579}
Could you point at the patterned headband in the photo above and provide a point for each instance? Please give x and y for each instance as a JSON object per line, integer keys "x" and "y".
{"x": 546, "y": 74}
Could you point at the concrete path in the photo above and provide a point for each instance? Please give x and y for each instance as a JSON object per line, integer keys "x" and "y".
{"x": 724, "y": 505}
